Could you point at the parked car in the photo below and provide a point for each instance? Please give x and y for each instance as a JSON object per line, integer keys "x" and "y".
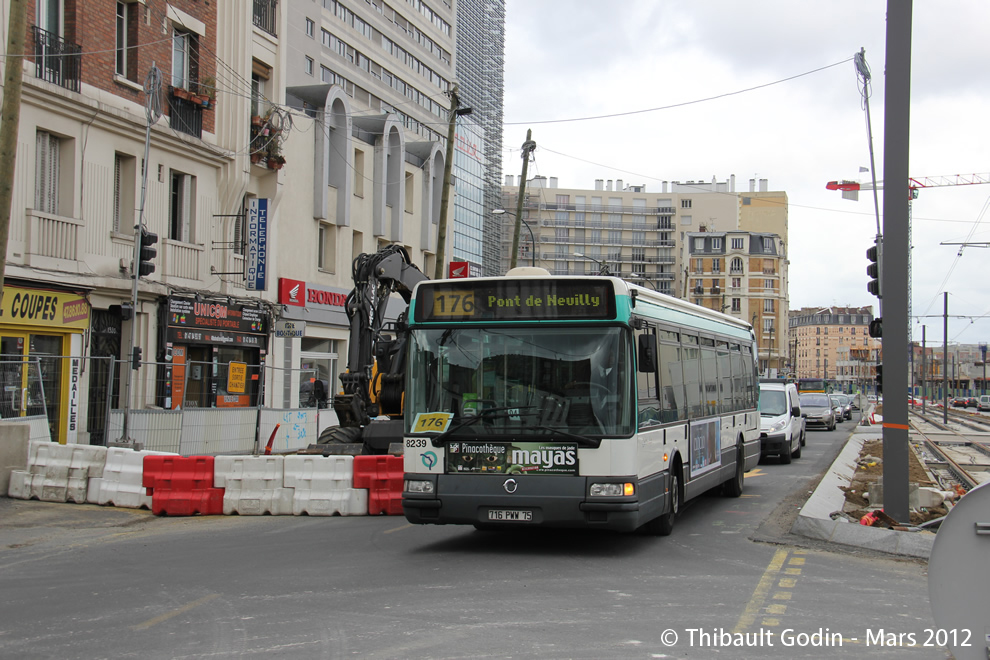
{"x": 817, "y": 410}
{"x": 972, "y": 402}
{"x": 782, "y": 428}
{"x": 845, "y": 402}
{"x": 984, "y": 403}
{"x": 959, "y": 401}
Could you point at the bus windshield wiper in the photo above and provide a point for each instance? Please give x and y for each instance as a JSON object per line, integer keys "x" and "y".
{"x": 505, "y": 411}
{"x": 582, "y": 441}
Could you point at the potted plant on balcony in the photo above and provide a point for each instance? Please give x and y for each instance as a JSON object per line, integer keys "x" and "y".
{"x": 182, "y": 93}
{"x": 207, "y": 92}
{"x": 275, "y": 158}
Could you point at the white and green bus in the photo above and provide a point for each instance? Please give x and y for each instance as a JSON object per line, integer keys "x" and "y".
{"x": 534, "y": 400}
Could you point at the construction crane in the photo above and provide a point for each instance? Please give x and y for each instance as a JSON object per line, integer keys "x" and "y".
{"x": 850, "y": 190}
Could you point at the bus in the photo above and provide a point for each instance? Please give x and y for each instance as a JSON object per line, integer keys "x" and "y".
{"x": 572, "y": 402}
{"x": 816, "y": 385}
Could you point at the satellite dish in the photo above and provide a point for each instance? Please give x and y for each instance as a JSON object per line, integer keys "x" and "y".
{"x": 958, "y": 582}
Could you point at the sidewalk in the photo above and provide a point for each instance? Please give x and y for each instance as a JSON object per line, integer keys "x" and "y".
{"x": 814, "y": 520}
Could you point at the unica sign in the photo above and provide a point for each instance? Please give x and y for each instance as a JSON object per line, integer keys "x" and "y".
{"x": 47, "y": 308}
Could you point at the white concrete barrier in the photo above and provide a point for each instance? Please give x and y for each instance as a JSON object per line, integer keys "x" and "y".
{"x": 58, "y": 473}
{"x": 120, "y": 482}
{"x": 322, "y": 486}
{"x": 253, "y": 485}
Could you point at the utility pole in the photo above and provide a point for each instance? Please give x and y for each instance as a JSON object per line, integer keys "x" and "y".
{"x": 528, "y": 147}
{"x": 11, "y": 117}
{"x": 455, "y": 111}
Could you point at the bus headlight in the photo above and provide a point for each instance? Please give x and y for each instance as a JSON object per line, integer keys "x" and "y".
{"x": 613, "y": 490}
{"x": 417, "y": 486}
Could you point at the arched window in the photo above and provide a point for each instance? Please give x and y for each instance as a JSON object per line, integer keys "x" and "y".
{"x": 737, "y": 265}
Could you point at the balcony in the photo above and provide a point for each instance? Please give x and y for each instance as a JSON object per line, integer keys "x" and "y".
{"x": 184, "y": 115}
{"x": 266, "y": 15}
{"x": 57, "y": 60}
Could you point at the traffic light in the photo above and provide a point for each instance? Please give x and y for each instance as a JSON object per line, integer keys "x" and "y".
{"x": 147, "y": 252}
{"x": 875, "y": 255}
{"x": 136, "y": 358}
{"x": 879, "y": 379}
{"x": 876, "y": 328}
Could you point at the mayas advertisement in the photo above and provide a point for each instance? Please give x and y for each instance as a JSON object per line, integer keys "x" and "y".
{"x": 518, "y": 458}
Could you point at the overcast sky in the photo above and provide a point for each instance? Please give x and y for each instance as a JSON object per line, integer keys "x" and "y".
{"x": 571, "y": 59}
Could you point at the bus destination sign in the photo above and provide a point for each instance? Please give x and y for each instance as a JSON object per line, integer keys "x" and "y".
{"x": 519, "y": 300}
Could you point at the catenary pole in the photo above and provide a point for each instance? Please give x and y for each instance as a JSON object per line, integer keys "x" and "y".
{"x": 895, "y": 275}
{"x": 527, "y": 148}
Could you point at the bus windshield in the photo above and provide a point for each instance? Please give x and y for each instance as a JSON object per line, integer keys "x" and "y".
{"x": 567, "y": 379}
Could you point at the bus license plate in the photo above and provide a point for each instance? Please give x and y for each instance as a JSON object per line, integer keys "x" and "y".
{"x": 510, "y": 516}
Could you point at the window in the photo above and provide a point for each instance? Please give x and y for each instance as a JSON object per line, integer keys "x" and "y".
{"x": 716, "y": 265}
{"x": 768, "y": 246}
{"x": 614, "y": 237}
{"x": 123, "y": 15}
{"x": 310, "y": 28}
{"x": 308, "y": 65}
{"x": 736, "y": 265}
{"x": 563, "y": 199}
{"x": 737, "y": 243}
{"x": 685, "y": 203}
{"x": 716, "y": 243}
{"x": 48, "y": 149}
{"x": 736, "y": 282}
{"x": 737, "y": 304}
{"x": 699, "y": 244}
{"x": 180, "y": 207}
{"x": 326, "y": 248}
{"x": 767, "y": 325}
{"x": 767, "y": 284}
{"x": 123, "y": 192}
{"x": 181, "y": 44}
{"x": 768, "y": 305}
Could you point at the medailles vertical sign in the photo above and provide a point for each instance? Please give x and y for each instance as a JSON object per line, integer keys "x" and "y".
{"x": 256, "y": 250}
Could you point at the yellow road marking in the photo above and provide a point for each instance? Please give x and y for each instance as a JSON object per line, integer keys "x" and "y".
{"x": 755, "y": 472}
{"x": 168, "y": 615}
{"x": 755, "y": 604}
{"x": 397, "y": 529}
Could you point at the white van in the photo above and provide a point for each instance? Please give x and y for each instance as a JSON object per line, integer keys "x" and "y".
{"x": 984, "y": 403}
{"x": 782, "y": 428}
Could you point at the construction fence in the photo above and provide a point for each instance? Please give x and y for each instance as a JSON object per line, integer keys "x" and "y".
{"x": 202, "y": 408}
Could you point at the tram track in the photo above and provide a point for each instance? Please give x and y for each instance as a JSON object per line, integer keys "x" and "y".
{"x": 956, "y": 461}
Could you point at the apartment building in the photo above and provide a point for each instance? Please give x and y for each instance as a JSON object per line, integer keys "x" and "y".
{"x": 743, "y": 274}
{"x": 701, "y": 241}
{"x": 258, "y": 211}
{"x": 833, "y": 343}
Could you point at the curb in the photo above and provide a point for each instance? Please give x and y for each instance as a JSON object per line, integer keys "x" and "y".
{"x": 814, "y": 522}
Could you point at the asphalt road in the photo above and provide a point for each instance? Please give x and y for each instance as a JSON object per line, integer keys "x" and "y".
{"x": 81, "y": 581}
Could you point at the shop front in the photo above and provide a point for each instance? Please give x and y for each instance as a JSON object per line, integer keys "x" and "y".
{"x": 41, "y": 341}
{"x": 318, "y": 314}
{"x": 214, "y": 354}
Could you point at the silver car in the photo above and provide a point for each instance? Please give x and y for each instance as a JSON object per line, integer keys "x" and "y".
{"x": 845, "y": 405}
{"x": 816, "y": 408}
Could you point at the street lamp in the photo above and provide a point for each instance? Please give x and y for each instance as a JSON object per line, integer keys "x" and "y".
{"x": 602, "y": 266}
{"x": 528, "y": 228}
{"x": 644, "y": 278}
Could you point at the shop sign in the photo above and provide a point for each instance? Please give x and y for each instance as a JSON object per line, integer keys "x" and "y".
{"x": 60, "y": 309}
{"x": 212, "y": 315}
{"x": 236, "y": 377}
{"x": 289, "y": 329}
{"x": 256, "y": 257}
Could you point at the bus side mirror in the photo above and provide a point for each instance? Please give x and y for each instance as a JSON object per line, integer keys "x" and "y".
{"x": 647, "y": 354}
